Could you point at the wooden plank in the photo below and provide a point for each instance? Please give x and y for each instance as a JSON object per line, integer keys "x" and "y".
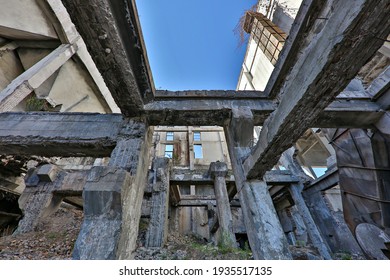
{"x": 326, "y": 65}
{"x": 33, "y": 77}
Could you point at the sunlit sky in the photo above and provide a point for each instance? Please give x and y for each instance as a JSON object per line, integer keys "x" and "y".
{"x": 191, "y": 44}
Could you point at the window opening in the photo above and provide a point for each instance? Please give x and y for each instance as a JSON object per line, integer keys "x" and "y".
{"x": 198, "y": 151}
{"x": 168, "y": 151}
{"x": 169, "y": 136}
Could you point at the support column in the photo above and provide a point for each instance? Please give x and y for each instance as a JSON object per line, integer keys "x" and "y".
{"x": 113, "y": 197}
{"x": 38, "y": 199}
{"x": 315, "y": 236}
{"x": 101, "y": 227}
{"x": 265, "y": 233}
{"x": 218, "y": 171}
{"x": 331, "y": 225}
{"x": 156, "y": 235}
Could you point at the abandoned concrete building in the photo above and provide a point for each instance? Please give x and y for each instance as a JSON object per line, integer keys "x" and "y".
{"x": 298, "y": 154}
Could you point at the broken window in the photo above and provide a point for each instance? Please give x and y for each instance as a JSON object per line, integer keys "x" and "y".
{"x": 168, "y": 151}
{"x": 169, "y": 136}
{"x": 197, "y": 136}
{"x": 198, "y": 151}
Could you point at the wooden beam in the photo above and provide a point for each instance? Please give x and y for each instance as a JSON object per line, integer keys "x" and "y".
{"x": 333, "y": 53}
{"x": 33, "y": 77}
{"x": 59, "y": 134}
{"x": 111, "y": 31}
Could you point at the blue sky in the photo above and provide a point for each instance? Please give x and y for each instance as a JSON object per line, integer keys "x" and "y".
{"x": 191, "y": 43}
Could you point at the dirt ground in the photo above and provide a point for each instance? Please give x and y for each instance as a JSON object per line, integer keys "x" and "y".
{"x": 55, "y": 237}
{"x": 53, "y": 240}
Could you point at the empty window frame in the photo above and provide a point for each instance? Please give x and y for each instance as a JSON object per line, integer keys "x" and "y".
{"x": 197, "y": 136}
{"x": 169, "y": 136}
{"x": 168, "y": 151}
{"x": 198, "y": 153}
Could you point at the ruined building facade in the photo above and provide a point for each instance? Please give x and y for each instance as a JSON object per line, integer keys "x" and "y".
{"x": 299, "y": 154}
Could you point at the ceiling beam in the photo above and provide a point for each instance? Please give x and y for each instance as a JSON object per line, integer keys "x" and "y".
{"x": 33, "y": 77}
{"x": 214, "y": 111}
{"x": 333, "y": 53}
{"x": 113, "y": 36}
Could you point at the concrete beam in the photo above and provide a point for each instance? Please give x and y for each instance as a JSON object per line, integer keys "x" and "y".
{"x": 33, "y": 77}
{"x": 201, "y": 177}
{"x": 113, "y": 36}
{"x": 308, "y": 14}
{"x": 327, "y": 181}
{"x": 216, "y": 111}
{"x": 209, "y": 94}
{"x": 64, "y": 134}
{"x": 59, "y": 17}
{"x": 333, "y": 53}
{"x": 188, "y": 111}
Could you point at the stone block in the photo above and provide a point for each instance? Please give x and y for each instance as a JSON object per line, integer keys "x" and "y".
{"x": 102, "y": 192}
{"x": 101, "y": 228}
{"x": 47, "y": 172}
{"x": 31, "y": 179}
{"x": 218, "y": 169}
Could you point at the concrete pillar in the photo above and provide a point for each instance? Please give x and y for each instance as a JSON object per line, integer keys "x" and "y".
{"x": 38, "y": 200}
{"x": 332, "y": 226}
{"x": 156, "y": 235}
{"x": 101, "y": 227}
{"x": 110, "y": 227}
{"x": 265, "y": 233}
{"x": 218, "y": 171}
{"x": 315, "y": 236}
{"x": 263, "y": 227}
